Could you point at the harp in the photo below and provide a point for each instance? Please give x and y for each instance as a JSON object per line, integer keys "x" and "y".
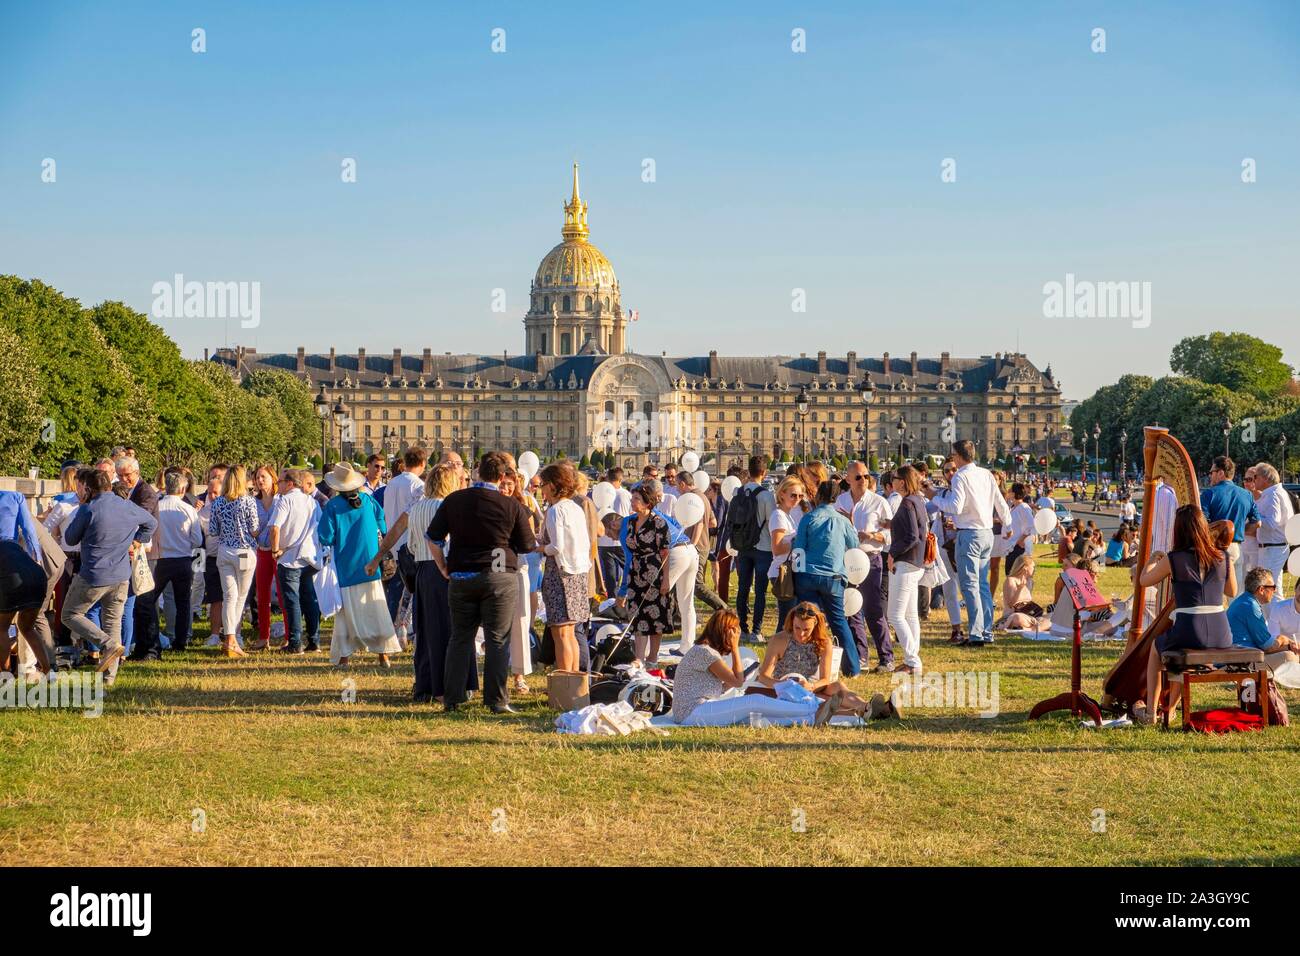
{"x": 1165, "y": 458}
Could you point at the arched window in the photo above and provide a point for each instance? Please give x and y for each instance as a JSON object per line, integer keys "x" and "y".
{"x": 546, "y": 303}
{"x": 588, "y": 303}
{"x": 566, "y": 340}
{"x": 606, "y": 303}
{"x": 566, "y": 304}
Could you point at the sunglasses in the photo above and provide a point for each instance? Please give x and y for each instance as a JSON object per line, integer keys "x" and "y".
{"x": 857, "y": 477}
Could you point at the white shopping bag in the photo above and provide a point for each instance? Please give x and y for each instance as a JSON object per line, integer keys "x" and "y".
{"x": 328, "y": 594}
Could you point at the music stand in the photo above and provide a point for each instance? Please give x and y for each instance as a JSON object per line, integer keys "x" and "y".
{"x": 1085, "y": 597}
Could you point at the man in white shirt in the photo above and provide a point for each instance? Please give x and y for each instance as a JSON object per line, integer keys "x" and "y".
{"x": 292, "y": 540}
{"x": 1275, "y": 510}
{"x": 1128, "y": 511}
{"x": 178, "y": 536}
{"x": 400, "y": 493}
{"x": 973, "y": 501}
{"x": 608, "y": 550}
{"x": 870, "y": 514}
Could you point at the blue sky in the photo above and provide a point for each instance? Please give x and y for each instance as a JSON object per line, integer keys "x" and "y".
{"x": 775, "y": 170}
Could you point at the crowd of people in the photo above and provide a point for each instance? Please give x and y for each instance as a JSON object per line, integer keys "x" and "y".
{"x": 450, "y": 560}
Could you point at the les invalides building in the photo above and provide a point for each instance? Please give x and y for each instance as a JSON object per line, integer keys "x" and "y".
{"x": 576, "y": 389}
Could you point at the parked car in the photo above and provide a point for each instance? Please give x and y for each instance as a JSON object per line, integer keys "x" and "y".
{"x": 1063, "y": 514}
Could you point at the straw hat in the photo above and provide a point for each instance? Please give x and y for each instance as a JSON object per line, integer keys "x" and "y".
{"x": 343, "y": 478}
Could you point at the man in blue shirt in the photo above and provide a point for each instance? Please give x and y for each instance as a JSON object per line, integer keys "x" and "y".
{"x": 817, "y": 557}
{"x": 108, "y": 528}
{"x": 1246, "y": 619}
{"x": 1224, "y": 500}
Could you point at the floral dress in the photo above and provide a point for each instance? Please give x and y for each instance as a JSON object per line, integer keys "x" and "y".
{"x": 653, "y": 610}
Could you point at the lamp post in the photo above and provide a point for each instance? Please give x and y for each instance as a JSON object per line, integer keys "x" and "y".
{"x": 321, "y": 405}
{"x": 1281, "y": 441}
{"x": 1123, "y": 461}
{"x": 866, "y": 392}
{"x": 1015, "y": 433}
{"x": 1096, "y": 438}
{"x": 1047, "y": 451}
{"x": 951, "y": 424}
{"x": 801, "y": 412}
{"x": 1227, "y": 431}
{"x": 901, "y": 428}
{"x": 823, "y": 456}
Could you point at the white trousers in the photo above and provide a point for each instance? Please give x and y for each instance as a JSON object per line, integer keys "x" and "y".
{"x": 521, "y": 658}
{"x": 951, "y": 593}
{"x": 736, "y": 710}
{"x": 683, "y": 562}
{"x": 236, "y": 567}
{"x": 902, "y": 610}
{"x": 1274, "y": 558}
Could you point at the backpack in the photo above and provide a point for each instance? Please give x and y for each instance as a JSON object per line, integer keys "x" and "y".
{"x": 742, "y": 519}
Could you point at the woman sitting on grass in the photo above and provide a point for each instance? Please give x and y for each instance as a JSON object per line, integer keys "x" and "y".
{"x": 1020, "y": 611}
{"x": 712, "y": 667}
{"x": 803, "y": 649}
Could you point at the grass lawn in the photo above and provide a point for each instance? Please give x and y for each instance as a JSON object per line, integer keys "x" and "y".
{"x": 265, "y": 754}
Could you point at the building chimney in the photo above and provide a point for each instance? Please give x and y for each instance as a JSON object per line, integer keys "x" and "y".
{"x": 361, "y": 363}
{"x": 332, "y": 366}
{"x": 426, "y": 362}
{"x": 853, "y": 365}
{"x": 715, "y": 367}
{"x": 885, "y": 362}
{"x": 944, "y": 361}
{"x": 302, "y": 360}
{"x": 205, "y": 355}
{"x": 397, "y": 363}
{"x": 821, "y": 363}
{"x": 915, "y": 365}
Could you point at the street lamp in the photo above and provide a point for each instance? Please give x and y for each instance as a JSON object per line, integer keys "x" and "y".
{"x": 901, "y": 428}
{"x": 801, "y": 411}
{"x": 321, "y": 405}
{"x": 1123, "y": 460}
{"x": 1096, "y": 437}
{"x": 1227, "y": 431}
{"x": 1282, "y": 444}
{"x": 866, "y": 392}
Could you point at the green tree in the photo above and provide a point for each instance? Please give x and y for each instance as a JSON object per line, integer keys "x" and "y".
{"x": 183, "y": 402}
{"x": 81, "y": 381}
{"x": 295, "y": 398}
{"x": 250, "y": 429}
{"x": 1193, "y": 412}
{"x": 21, "y": 412}
{"x": 1235, "y": 360}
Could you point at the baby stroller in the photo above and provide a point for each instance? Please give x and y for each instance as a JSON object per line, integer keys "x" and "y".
{"x": 612, "y": 680}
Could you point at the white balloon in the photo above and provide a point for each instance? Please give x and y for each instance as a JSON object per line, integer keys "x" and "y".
{"x": 700, "y": 480}
{"x": 852, "y": 600}
{"x": 528, "y": 463}
{"x": 690, "y": 461}
{"x": 1293, "y": 564}
{"x": 730, "y": 485}
{"x": 856, "y": 566}
{"x": 602, "y": 495}
{"x": 1045, "y": 520}
{"x": 1293, "y": 530}
{"x": 689, "y": 510}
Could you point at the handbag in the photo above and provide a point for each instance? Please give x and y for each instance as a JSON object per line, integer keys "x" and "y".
{"x": 141, "y": 575}
{"x": 783, "y": 586}
{"x": 931, "y": 547}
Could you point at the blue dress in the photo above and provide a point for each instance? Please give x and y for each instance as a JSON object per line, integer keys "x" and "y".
{"x": 354, "y": 535}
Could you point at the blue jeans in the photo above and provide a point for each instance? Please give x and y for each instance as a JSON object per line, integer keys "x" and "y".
{"x": 973, "y": 551}
{"x": 298, "y": 594}
{"x": 827, "y": 592}
{"x": 751, "y": 569}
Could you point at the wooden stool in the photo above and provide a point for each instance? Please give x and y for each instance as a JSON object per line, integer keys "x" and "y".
{"x": 1232, "y": 665}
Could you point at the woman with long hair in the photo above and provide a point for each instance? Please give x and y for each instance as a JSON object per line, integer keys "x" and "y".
{"x": 233, "y": 520}
{"x": 803, "y": 651}
{"x": 265, "y": 482}
{"x": 566, "y": 544}
{"x": 1202, "y": 580}
{"x": 908, "y": 531}
{"x": 431, "y": 611}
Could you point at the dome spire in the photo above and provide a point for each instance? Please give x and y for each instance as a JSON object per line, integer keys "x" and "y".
{"x": 575, "y": 214}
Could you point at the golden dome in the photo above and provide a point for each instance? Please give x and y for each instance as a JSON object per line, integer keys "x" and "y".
{"x": 575, "y": 261}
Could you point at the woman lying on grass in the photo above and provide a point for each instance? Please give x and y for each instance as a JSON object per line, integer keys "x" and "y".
{"x": 802, "y": 649}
